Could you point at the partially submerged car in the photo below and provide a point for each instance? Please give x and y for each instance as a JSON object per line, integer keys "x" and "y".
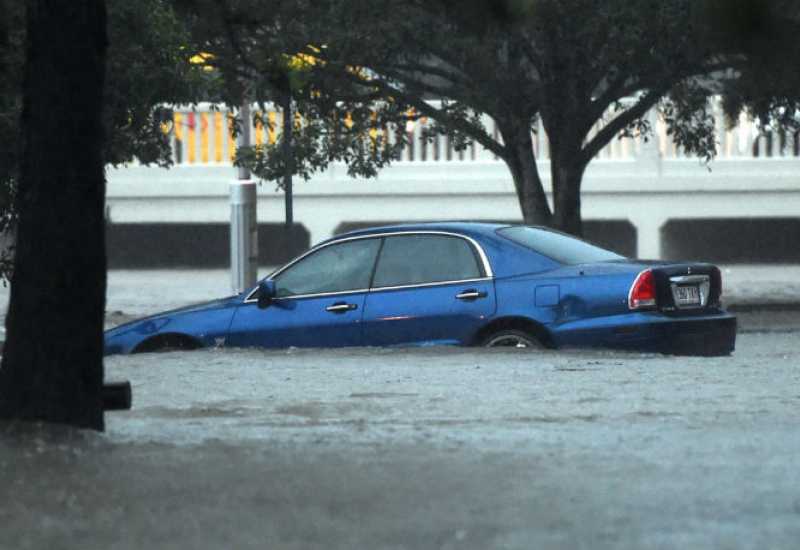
{"x": 472, "y": 284}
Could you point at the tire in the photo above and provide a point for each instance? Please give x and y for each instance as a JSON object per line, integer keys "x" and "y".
{"x": 511, "y": 338}
{"x": 166, "y": 343}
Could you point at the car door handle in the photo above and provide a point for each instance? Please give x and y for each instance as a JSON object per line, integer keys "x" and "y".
{"x": 341, "y": 307}
{"x": 471, "y": 294}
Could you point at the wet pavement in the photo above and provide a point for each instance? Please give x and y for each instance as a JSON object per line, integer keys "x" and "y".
{"x": 423, "y": 448}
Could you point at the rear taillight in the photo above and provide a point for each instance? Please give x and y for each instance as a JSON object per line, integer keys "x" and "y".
{"x": 643, "y": 291}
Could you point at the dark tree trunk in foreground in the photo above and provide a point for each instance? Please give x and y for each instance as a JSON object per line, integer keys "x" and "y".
{"x": 52, "y": 367}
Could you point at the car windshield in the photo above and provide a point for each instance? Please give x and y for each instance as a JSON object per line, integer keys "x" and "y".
{"x": 558, "y": 246}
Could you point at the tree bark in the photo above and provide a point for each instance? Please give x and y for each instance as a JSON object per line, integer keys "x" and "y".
{"x": 527, "y": 183}
{"x": 52, "y": 366}
{"x": 567, "y": 177}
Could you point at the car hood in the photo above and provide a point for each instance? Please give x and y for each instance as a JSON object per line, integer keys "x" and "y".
{"x": 192, "y": 308}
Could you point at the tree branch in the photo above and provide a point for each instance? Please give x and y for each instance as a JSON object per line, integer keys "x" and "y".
{"x": 443, "y": 116}
{"x": 455, "y": 79}
{"x": 613, "y": 92}
{"x": 620, "y": 122}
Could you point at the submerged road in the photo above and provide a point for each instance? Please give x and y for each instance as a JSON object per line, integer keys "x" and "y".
{"x": 426, "y": 448}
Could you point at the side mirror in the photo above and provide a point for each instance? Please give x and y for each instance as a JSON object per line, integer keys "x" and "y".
{"x": 266, "y": 293}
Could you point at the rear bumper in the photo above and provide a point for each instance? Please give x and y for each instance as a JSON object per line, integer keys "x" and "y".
{"x": 707, "y": 335}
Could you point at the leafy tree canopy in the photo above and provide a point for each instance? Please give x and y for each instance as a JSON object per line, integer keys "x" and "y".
{"x": 589, "y": 70}
{"x": 270, "y": 51}
{"x": 147, "y": 68}
{"x": 762, "y": 36}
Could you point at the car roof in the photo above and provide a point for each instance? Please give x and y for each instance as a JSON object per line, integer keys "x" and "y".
{"x": 470, "y": 229}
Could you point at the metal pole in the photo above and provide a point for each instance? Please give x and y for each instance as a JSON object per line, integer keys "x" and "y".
{"x": 287, "y": 175}
{"x": 244, "y": 224}
{"x": 244, "y": 136}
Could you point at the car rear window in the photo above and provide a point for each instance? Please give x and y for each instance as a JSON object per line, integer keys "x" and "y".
{"x": 560, "y": 247}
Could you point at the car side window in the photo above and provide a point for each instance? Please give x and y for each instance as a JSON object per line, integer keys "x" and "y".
{"x": 335, "y": 268}
{"x": 419, "y": 259}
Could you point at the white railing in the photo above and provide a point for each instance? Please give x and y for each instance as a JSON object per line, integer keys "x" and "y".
{"x": 203, "y": 136}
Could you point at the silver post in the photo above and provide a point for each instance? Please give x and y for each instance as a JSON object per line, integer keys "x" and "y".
{"x": 287, "y": 174}
{"x": 244, "y": 235}
{"x": 244, "y": 223}
{"x": 244, "y": 136}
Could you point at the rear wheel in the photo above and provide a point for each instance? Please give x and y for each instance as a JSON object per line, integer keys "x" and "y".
{"x": 511, "y": 338}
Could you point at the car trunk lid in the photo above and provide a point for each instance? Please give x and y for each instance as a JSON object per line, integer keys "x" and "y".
{"x": 687, "y": 287}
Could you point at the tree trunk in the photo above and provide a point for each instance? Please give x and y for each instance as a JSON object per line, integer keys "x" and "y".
{"x": 52, "y": 366}
{"x": 527, "y": 183}
{"x": 567, "y": 178}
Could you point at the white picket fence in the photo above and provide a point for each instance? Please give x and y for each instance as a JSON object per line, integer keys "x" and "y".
{"x": 202, "y": 136}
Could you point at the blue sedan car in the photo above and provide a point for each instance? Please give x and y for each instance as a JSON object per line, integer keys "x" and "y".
{"x": 474, "y": 284}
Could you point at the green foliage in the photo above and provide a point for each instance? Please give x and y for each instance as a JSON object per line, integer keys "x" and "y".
{"x": 763, "y": 35}
{"x": 147, "y": 67}
{"x": 589, "y": 70}
{"x": 322, "y": 138}
{"x": 689, "y": 119}
{"x": 267, "y": 50}
{"x": 567, "y": 63}
{"x": 367, "y": 67}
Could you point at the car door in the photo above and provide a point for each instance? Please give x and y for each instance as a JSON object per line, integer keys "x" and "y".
{"x": 428, "y": 289}
{"x": 319, "y": 300}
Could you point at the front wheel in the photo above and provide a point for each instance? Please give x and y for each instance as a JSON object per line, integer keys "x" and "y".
{"x": 164, "y": 343}
{"x": 511, "y": 338}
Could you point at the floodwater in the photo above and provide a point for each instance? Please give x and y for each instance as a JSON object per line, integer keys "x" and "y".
{"x": 211, "y": 394}
{"x": 423, "y": 448}
{"x": 434, "y": 448}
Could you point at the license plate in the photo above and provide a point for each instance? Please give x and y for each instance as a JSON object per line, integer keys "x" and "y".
{"x": 687, "y": 295}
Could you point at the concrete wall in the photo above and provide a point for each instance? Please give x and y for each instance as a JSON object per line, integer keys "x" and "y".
{"x": 204, "y": 245}
{"x": 647, "y": 195}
